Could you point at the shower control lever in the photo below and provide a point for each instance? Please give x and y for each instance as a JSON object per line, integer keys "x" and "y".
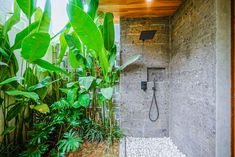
{"x": 144, "y": 85}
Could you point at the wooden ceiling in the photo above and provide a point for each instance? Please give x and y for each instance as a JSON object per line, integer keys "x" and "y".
{"x": 139, "y": 8}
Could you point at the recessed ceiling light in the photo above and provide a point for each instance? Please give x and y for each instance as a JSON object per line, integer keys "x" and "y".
{"x": 149, "y": 1}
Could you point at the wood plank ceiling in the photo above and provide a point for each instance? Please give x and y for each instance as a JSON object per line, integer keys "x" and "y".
{"x": 139, "y": 8}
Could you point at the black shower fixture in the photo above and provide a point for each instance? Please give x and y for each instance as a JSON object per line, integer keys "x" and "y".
{"x": 147, "y": 35}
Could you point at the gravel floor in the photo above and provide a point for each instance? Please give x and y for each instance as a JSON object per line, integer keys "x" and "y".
{"x": 151, "y": 147}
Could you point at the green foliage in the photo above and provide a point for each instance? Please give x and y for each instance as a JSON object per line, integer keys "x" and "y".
{"x": 9, "y": 80}
{"x": 46, "y": 18}
{"x": 45, "y": 82}
{"x": 92, "y": 8}
{"x": 70, "y": 142}
{"x": 43, "y": 108}
{"x": 30, "y": 95}
{"x": 95, "y": 132}
{"x": 8, "y": 130}
{"x": 58, "y": 108}
{"x": 14, "y": 19}
{"x": 38, "y": 14}
{"x": 25, "y": 32}
{"x": 29, "y": 77}
{"x": 35, "y": 151}
{"x": 78, "y": 3}
{"x": 108, "y": 31}
{"x": 46, "y": 65}
{"x": 35, "y": 46}
{"x": 63, "y": 47}
{"x": 88, "y": 33}
{"x": 86, "y": 82}
{"x": 4, "y": 53}
{"x": 130, "y": 61}
{"x": 14, "y": 111}
{"x": 83, "y": 100}
{"x": 27, "y": 6}
{"x": 3, "y": 64}
{"x": 107, "y": 92}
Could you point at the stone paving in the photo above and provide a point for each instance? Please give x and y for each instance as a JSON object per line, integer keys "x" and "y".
{"x": 151, "y": 147}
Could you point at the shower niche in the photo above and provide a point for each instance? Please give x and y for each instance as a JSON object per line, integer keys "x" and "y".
{"x": 157, "y": 73}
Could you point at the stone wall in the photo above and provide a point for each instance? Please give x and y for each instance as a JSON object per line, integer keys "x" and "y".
{"x": 135, "y": 103}
{"x": 192, "y": 110}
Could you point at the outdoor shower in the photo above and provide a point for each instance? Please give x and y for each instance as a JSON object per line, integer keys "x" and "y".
{"x": 149, "y": 35}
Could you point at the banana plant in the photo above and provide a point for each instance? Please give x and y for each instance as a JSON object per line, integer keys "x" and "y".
{"x": 48, "y": 100}
{"x": 33, "y": 42}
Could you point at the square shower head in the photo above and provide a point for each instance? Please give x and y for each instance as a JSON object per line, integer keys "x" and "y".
{"x": 147, "y": 35}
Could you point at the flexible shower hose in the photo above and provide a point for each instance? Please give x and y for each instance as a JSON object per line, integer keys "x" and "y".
{"x": 154, "y": 100}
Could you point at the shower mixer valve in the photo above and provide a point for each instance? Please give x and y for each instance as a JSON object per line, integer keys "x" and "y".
{"x": 144, "y": 85}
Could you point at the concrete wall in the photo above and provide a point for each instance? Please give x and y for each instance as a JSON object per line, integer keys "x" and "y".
{"x": 135, "y": 103}
{"x": 192, "y": 78}
{"x": 196, "y": 88}
{"x": 223, "y": 78}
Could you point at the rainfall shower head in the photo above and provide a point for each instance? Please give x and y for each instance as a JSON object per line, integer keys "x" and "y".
{"x": 147, "y": 35}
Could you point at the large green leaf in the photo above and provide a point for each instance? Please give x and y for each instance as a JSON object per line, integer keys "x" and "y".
{"x": 112, "y": 57}
{"x": 29, "y": 77}
{"x": 92, "y": 8}
{"x": 21, "y": 35}
{"x": 38, "y": 14}
{"x": 46, "y": 65}
{"x": 11, "y": 80}
{"x": 14, "y": 111}
{"x": 108, "y": 31}
{"x": 42, "y": 92}
{"x": 130, "y": 61}
{"x": 73, "y": 60}
{"x": 78, "y": 3}
{"x": 30, "y": 95}
{"x": 83, "y": 100}
{"x": 35, "y": 46}
{"x": 46, "y": 18}
{"x": 101, "y": 99}
{"x": 76, "y": 53}
{"x": 14, "y": 63}
{"x": 27, "y": 6}
{"x": 104, "y": 61}
{"x": 72, "y": 95}
{"x": 43, "y": 108}
{"x": 107, "y": 92}
{"x": 41, "y": 84}
{"x": 86, "y": 82}
{"x": 15, "y": 18}
{"x": 74, "y": 43}
{"x": 63, "y": 48}
{"x": 88, "y": 32}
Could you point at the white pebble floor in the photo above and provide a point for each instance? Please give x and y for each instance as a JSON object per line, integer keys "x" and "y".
{"x": 151, "y": 147}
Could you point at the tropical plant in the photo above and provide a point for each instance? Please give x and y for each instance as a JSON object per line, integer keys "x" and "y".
{"x": 48, "y": 110}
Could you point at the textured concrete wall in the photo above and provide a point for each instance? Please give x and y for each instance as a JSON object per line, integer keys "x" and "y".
{"x": 192, "y": 78}
{"x": 135, "y": 103}
{"x": 223, "y": 78}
